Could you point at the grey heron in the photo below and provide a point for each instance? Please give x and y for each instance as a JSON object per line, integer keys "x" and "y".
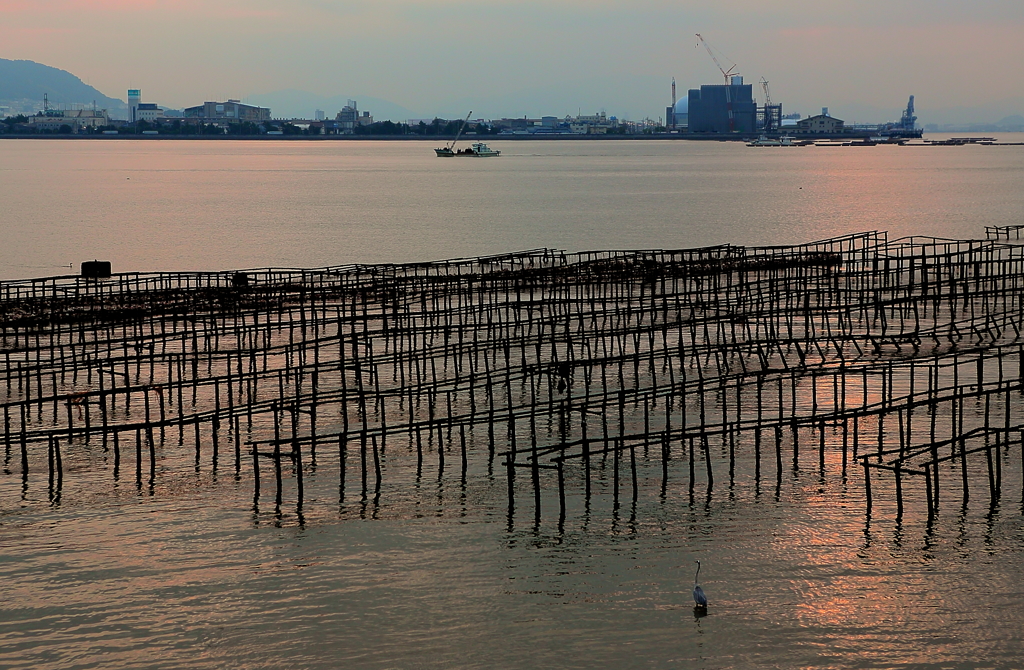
{"x": 698, "y": 592}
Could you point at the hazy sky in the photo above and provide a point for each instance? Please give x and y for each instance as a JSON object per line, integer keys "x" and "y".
{"x": 527, "y": 57}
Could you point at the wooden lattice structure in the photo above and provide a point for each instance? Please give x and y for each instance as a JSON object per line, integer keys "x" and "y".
{"x": 905, "y": 356}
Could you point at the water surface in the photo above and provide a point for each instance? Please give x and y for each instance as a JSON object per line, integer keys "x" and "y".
{"x": 184, "y": 572}
{"x": 214, "y": 205}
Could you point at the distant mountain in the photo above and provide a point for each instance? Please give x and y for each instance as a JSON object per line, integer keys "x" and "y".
{"x": 1015, "y": 121}
{"x": 23, "y": 84}
{"x": 292, "y": 104}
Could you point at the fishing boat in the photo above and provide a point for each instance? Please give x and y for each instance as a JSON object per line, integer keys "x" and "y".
{"x": 477, "y": 149}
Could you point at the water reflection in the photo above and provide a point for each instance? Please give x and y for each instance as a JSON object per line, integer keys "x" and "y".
{"x": 616, "y": 577}
{"x": 451, "y": 575}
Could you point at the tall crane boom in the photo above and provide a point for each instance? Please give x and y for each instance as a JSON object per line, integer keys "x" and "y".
{"x": 461, "y": 128}
{"x": 769, "y": 116}
{"x": 767, "y": 96}
{"x": 725, "y": 73}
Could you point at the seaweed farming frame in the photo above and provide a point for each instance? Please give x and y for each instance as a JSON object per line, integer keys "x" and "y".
{"x": 903, "y": 358}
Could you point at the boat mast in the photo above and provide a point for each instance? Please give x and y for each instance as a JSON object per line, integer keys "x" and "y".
{"x": 461, "y": 128}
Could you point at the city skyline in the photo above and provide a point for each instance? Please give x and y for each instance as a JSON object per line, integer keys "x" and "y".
{"x": 504, "y": 59}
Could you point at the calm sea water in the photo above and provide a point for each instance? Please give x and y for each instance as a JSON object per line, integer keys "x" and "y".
{"x": 165, "y": 205}
{"x": 435, "y": 572}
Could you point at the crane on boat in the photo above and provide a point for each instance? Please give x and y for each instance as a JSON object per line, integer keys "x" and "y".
{"x": 461, "y": 128}
{"x": 449, "y": 149}
{"x": 477, "y": 149}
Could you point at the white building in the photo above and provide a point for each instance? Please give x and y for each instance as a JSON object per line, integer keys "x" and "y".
{"x": 148, "y": 111}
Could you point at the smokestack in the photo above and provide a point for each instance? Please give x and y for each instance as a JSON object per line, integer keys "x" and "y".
{"x": 671, "y": 116}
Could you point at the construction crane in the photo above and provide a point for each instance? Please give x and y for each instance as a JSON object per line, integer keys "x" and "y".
{"x": 767, "y": 96}
{"x": 725, "y": 73}
{"x": 766, "y": 124}
{"x": 770, "y": 115}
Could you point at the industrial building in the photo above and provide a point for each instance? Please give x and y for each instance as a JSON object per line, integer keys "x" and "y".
{"x": 592, "y": 124}
{"x": 730, "y": 108}
{"x": 819, "y": 124}
{"x": 76, "y": 119}
{"x": 725, "y": 108}
{"x": 722, "y": 108}
{"x": 230, "y": 111}
{"x": 51, "y": 119}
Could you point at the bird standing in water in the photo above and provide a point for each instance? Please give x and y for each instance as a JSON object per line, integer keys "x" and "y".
{"x": 698, "y": 592}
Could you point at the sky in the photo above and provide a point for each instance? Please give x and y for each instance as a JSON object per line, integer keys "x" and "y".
{"x": 527, "y": 57}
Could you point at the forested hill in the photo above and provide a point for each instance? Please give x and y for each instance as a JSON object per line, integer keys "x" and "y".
{"x": 25, "y": 81}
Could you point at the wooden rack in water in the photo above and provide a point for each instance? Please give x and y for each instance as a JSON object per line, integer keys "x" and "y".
{"x": 902, "y": 356}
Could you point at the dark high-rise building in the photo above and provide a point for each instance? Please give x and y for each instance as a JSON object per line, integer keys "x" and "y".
{"x": 721, "y": 108}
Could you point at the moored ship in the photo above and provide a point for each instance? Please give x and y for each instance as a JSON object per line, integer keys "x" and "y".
{"x": 905, "y": 129}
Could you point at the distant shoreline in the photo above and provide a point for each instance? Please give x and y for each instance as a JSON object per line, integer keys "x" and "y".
{"x": 703, "y": 137}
